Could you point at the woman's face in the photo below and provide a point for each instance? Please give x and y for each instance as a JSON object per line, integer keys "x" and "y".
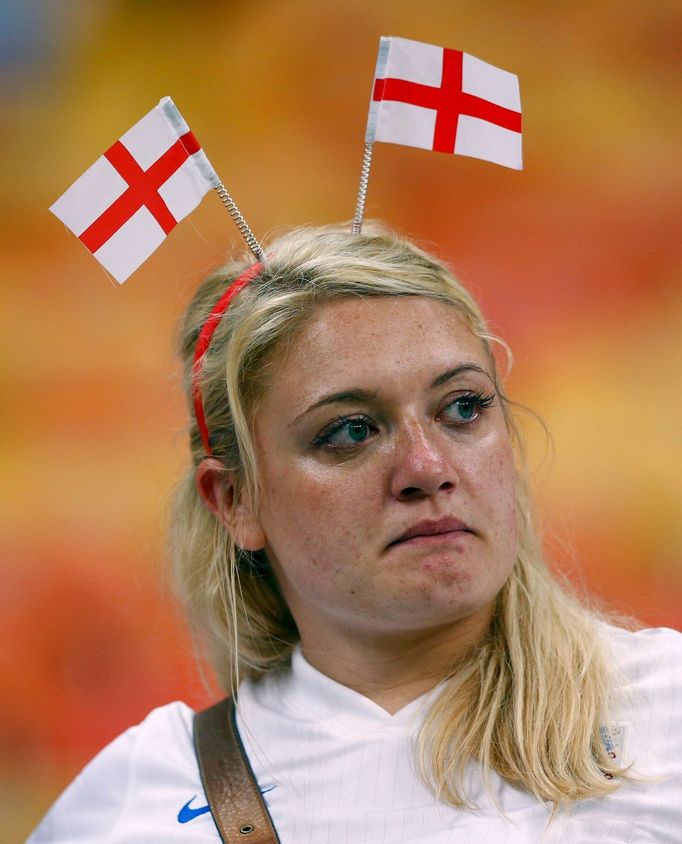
{"x": 387, "y": 470}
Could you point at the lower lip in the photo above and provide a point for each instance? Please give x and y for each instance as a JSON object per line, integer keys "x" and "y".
{"x": 433, "y": 538}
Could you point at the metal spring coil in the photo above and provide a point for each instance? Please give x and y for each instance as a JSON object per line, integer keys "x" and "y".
{"x": 241, "y": 223}
{"x": 362, "y": 189}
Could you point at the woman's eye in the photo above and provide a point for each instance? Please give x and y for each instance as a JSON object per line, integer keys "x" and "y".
{"x": 345, "y": 433}
{"x": 466, "y": 408}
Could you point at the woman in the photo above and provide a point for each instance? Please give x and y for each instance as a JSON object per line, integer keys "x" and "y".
{"x": 353, "y": 543}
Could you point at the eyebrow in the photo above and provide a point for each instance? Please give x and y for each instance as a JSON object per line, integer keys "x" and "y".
{"x": 453, "y": 373}
{"x": 342, "y": 397}
{"x": 357, "y": 395}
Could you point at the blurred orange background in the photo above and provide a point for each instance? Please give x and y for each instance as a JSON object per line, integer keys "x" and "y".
{"x": 576, "y": 261}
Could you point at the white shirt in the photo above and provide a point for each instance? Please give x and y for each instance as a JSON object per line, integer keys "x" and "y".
{"x": 335, "y": 768}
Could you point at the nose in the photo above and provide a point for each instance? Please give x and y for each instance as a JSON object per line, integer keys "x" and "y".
{"x": 420, "y": 467}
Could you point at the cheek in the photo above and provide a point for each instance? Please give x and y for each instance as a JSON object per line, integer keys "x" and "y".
{"x": 505, "y": 478}
{"x": 316, "y": 514}
{"x": 506, "y": 504}
{"x": 497, "y": 488}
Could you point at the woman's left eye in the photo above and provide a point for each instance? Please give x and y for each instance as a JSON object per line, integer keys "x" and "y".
{"x": 465, "y": 408}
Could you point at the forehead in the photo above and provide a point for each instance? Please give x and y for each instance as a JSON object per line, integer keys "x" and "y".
{"x": 375, "y": 341}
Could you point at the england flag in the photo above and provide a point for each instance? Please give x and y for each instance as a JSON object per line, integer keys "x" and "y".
{"x": 125, "y": 204}
{"x": 445, "y": 100}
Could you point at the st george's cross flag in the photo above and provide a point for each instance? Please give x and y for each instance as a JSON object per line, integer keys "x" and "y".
{"x": 125, "y": 204}
{"x": 445, "y": 100}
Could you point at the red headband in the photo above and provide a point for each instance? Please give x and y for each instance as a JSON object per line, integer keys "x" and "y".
{"x": 204, "y": 342}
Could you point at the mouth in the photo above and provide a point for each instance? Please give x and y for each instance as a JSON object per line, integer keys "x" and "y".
{"x": 432, "y": 531}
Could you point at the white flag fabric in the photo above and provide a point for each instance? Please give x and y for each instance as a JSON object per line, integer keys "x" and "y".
{"x": 445, "y": 100}
{"x": 123, "y": 206}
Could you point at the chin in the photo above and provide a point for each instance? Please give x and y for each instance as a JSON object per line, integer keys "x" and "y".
{"x": 443, "y": 591}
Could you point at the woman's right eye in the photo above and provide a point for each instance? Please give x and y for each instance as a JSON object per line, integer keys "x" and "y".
{"x": 347, "y": 432}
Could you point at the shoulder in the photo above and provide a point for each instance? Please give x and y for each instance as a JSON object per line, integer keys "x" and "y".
{"x": 149, "y": 771}
{"x": 649, "y": 656}
{"x": 648, "y": 702}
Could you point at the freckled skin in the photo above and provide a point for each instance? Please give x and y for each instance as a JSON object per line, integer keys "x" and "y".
{"x": 328, "y": 515}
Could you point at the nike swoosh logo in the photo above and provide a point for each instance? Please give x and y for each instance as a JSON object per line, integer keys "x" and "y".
{"x": 265, "y": 790}
{"x": 186, "y": 814}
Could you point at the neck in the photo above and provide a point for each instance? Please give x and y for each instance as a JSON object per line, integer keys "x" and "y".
{"x": 392, "y": 669}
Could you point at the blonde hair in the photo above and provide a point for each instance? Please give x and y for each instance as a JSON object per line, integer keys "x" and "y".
{"x": 529, "y": 699}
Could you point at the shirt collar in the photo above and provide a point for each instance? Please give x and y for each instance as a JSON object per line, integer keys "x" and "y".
{"x": 307, "y": 693}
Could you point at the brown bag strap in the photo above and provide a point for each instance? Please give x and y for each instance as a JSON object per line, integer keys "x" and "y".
{"x": 231, "y": 788}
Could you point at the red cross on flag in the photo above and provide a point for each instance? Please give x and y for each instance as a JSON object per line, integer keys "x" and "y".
{"x": 123, "y": 206}
{"x": 445, "y": 100}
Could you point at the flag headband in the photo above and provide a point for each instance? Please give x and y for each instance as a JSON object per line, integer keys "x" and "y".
{"x": 426, "y": 96}
{"x": 127, "y": 202}
{"x": 204, "y": 341}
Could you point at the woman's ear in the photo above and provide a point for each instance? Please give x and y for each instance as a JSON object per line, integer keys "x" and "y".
{"x": 217, "y": 488}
